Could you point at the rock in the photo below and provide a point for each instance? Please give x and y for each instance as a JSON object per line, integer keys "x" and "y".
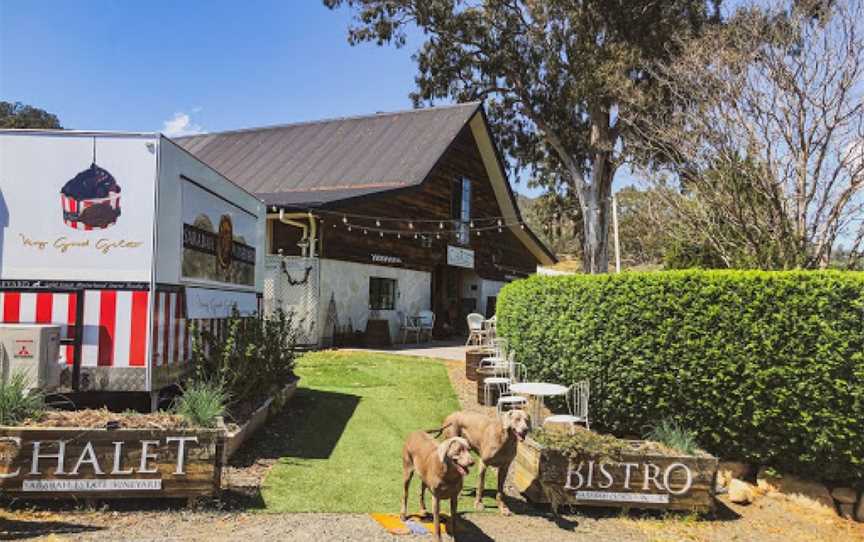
{"x": 845, "y": 495}
{"x": 736, "y": 469}
{"x": 791, "y": 485}
{"x": 859, "y": 512}
{"x": 741, "y": 492}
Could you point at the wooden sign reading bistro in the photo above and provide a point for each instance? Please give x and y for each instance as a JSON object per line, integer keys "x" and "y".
{"x": 70, "y": 462}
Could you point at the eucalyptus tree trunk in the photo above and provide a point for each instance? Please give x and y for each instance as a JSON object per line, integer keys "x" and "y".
{"x": 596, "y": 197}
{"x": 595, "y": 200}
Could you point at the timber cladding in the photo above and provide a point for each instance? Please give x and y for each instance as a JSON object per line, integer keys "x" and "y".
{"x": 498, "y": 256}
{"x": 100, "y": 463}
{"x": 638, "y": 481}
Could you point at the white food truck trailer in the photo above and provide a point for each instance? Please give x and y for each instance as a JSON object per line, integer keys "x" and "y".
{"x": 123, "y": 240}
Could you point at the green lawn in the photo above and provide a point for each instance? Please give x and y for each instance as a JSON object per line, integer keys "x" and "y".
{"x": 346, "y": 451}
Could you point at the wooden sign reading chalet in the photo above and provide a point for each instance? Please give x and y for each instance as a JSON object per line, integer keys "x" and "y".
{"x": 76, "y": 462}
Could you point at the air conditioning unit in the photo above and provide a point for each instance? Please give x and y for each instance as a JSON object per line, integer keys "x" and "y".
{"x": 32, "y": 349}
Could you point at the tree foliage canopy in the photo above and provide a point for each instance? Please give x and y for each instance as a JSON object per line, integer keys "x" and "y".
{"x": 18, "y": 115}
{"x": 766, "y": 139}
{"x": 554, "y": 75}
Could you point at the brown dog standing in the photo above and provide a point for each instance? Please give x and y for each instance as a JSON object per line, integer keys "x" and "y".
{"x": 494, "y": 440}
{"x": 441, "y": 467}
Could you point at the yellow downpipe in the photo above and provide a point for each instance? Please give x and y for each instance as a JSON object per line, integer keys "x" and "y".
{"x": 286, "y": 218}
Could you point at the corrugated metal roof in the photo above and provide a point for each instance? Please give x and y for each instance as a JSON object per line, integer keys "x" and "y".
{"x": 327, "y": 160}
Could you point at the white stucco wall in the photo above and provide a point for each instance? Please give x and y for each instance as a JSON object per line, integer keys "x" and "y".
{"x": 480, "y": 289}
{"x": 490, "y": 288}
{"x": 348, "y": 284}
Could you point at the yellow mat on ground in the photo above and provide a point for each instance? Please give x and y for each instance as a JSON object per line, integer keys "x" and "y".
{"x": 412, "y": 524}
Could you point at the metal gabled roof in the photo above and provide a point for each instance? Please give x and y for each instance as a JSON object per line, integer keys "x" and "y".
{"x": 351, "y": 155}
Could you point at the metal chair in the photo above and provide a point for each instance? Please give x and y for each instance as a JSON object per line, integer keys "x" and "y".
{"x": 506, "y": 399}
{"x": 498, "y": 359}
{"x": 476, "y": 329}
{"x": 491, "y": 328}
{"x": 577, "y": 405}
{"x": 427, "y": 323}
{"x": 408, "y": 324}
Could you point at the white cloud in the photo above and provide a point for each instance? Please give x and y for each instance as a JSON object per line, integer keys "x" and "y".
{"x": 181, "y": 125}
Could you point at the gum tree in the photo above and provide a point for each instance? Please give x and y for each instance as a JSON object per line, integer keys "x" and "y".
{"x": 766, "y": 142}
{"x": 553, "y": 73}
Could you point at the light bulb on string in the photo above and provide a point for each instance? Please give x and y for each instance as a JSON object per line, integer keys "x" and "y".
{"x": 344, "y": 219}
{"x": 499, "y": 222}
{"x": 349, "y": 228}
{"x": 478, "y": 233}
{"x": 416, "y": 236}
{"x": 378, "y": 223}
{"x": 380, "y": 234}
{"x": 365, "y": 232}
{"x": 522, "y": 226}
{"x": 440, "y": 225}
{"x": 437, "y": 236}
{"x": 499, "y": 229}
{"x": 398, "y": 236}
{"x": 472, "y": 223}
{"x": 411, "y": 227}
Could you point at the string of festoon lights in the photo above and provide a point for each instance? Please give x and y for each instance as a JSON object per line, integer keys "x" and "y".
{"x": 415, "y": 228}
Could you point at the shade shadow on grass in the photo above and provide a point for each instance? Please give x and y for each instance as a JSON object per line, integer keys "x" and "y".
{"x": 308, "y": 428}
{"x": 14, "y": 529}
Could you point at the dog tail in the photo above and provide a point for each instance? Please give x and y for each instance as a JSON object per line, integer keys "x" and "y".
{"x": 437, "y": 432}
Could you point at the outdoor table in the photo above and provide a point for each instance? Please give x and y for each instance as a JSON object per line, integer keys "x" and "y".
{"x": 540, "y": 390}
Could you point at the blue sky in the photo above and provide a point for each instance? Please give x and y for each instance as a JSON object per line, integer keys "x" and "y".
{"x": 182, "y": 66}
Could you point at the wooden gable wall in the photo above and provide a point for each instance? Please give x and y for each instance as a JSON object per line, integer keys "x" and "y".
{"x": 498, "y": 256}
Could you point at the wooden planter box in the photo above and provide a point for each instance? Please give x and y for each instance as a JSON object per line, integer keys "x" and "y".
{"x": 272, "y": 406}
{"x": 472, "y": 360}
{"x": 661, "y": 482}
{"x": 482, "y": 399}
{"x": 84, "y": 463}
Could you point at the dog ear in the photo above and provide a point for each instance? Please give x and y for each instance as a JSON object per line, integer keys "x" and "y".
{"x": 443, "y": 448}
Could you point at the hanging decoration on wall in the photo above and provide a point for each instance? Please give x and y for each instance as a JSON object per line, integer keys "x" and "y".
{"x": 291, "y": 280}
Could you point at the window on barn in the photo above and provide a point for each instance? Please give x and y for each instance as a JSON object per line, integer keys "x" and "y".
{"x": 382, "y": 294}
{"x": 461, "y": 208}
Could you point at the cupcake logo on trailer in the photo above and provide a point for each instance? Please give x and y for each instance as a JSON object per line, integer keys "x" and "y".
{"x": 91, "y": 199}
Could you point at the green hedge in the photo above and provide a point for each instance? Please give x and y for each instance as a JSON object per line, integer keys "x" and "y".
{"x": 766, "y": 367}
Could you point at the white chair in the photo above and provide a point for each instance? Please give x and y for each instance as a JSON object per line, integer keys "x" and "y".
{"x": 577, "y": 405}
{"x": 506, "y": 399}
{"x": 426, "y": 320}
{"x": 476, "y": 329}
{"x": 490, "y": 326}
{"x": 498, "y": 361}
{"x": 408, "y": 324}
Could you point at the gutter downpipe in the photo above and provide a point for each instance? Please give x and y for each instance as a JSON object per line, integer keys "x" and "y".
{"x": 311, "y": 236}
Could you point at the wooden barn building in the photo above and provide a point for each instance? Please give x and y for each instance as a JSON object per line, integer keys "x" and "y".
{"x": 372, "y": 219}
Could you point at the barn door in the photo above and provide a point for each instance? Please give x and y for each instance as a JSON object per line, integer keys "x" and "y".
{"x": 292, "y": 283}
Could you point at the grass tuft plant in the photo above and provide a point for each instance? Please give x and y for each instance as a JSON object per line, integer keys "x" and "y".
{"x": 17, "y": 403}
{"x": 673, "y": 435}
{"x": 201, "y": 403}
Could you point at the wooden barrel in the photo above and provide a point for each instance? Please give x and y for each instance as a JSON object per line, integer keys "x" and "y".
{"x": 482, "y": 374}
{"x": 472, "y": 360}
